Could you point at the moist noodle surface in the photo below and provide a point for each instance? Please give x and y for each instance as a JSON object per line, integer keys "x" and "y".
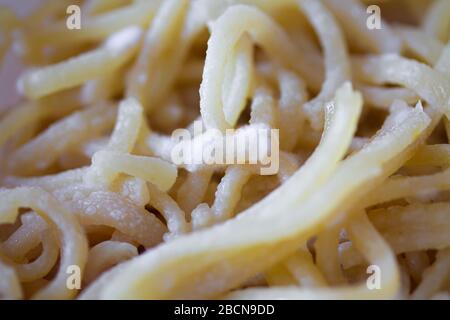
{"x": 94, "y": 206}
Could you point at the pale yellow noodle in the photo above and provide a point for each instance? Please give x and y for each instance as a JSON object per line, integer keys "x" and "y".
{"x": 434, "y": 276}
{"x": 174, "y": 216}
{"x": 436, "y": 20}
{"x": 153, "y": 170}
{"x": 133, "y": 188}
{"x": 28, "y": 114}
{"x": 106, "y": 255}
{"x": 327, "y": 258}
{"x": 429, "y": 84}
{"x": 293, "y": 95}
{"x": 372, "y": 245}
{"x": 202, "y": 259}
{"x": 352, "y": 15}
{"x": 337, "y": 64}
{"x": 238, "y": 79}
{"x": 263, "y": 108}
{"x": 416, "y": 227}
{"x": 94, "y": 7}
{"x": 73, "y": 241}
{"x": 398, "y": 187}
{"x": 9, "y": 283}
{"x": 383, "y": 98}
{"x": 33, "y": 231}
{"x": 25, "y": 238}
{"x": 42, "y": 151}
{"x": 302, "y": 267}
{"x": 43, "y": 264}
{"x": 426, "y": 47}
{"x": 226, "y": 32}
{"x": 97, "y": 28}
{"x": 158, "y": 53}
{"x": 132, "y": 199}
{"x": 192, "y": 191}
{"x": 116, "y": 51}
{"x": 111, "y": 209}
{"x": 226, "y": 198}
{"x": 103, "y": 88}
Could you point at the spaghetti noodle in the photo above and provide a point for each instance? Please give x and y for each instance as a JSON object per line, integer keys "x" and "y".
{"x": 94, "y": 206}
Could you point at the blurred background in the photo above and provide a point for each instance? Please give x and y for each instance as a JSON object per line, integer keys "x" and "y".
{"x": 10, "y": 67}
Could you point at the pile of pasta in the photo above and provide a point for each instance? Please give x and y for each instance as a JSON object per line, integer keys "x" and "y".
{"x": 88, "y": 183}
